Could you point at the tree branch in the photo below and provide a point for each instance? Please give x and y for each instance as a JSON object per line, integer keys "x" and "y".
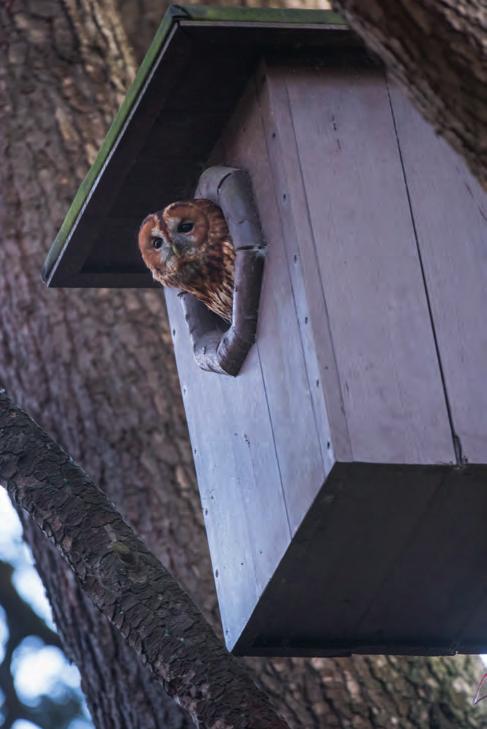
{"x": 125, "y": 581}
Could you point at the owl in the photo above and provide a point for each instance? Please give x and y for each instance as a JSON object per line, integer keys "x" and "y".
{"x": 187, "y": 246}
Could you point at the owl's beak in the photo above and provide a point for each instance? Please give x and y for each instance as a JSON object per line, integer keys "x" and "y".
{"x": 168, "y": 250}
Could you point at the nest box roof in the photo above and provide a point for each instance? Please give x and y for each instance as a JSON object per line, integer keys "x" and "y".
{"x": 185, "y": 90}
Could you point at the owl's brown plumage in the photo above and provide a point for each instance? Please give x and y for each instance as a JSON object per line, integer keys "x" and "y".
{"x": 187, "y": 246}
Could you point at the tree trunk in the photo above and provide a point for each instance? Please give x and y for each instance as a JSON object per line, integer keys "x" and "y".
{"x": 438, "y": 53}
{"x": 64, "y": 69}
{"x": 96, "y": 369}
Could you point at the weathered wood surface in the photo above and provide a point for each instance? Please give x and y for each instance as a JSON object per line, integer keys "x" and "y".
{"x": 263, "y": 465}
{"x": 450, "y": 214}
{"x": 289, "y": 393}
{"x": 363, "y": 520}
{"x": 325, "y": 597}
{"x": 362, "y": 243}
{"x": 305, "y": 280}
{"x": 344, "y": 379}
{"x": 232, "y": 440}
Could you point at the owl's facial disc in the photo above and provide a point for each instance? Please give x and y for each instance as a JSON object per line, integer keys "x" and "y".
{"x": 187, "y": 226}
{"x": 162, "y": 246}
{"x": 176, "y": 243}
{"x": 182, "y": 236}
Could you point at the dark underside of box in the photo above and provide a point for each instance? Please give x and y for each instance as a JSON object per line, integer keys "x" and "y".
{"x": 389, "y": 560}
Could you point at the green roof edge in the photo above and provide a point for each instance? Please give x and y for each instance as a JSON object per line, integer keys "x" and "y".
{"x": 215, "y": 13}
{"x": 173, "y": 14}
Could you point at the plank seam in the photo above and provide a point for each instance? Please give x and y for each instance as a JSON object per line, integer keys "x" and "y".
{"x": 325, "y": 303}
{"x": 457, "y": 445}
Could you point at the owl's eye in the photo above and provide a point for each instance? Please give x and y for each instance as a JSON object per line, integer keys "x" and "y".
{"x": 185, "y": 226}
{"x": 156, "y": 243}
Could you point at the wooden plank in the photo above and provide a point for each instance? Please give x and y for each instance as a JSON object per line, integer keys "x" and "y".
{"x": 363, "y": 245}
{"x": 238, "y": 476}
{"x": 450, "y": 214}
{"x": 306, "y": 285}
{"x": 363, "y": 517}
{"x": 439, "y": 581}
{"x": 288, "y": 390}
{"x": 378, "y": 536}
{"x": 432, "y": 602}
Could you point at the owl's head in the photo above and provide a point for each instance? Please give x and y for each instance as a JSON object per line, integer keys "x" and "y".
{"x": 174, "y": 242}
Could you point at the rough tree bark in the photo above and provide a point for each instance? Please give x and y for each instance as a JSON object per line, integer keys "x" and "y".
{"x": 64, "y": 68}
{"x": 126, "y": 582}
{"x": 438, "y": 53}
{"x": 96, "y": 369}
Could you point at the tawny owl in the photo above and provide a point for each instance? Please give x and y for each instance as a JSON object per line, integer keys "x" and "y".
{"x": 187, "y": 246}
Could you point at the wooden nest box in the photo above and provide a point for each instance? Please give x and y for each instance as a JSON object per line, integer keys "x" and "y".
{"x": 343, "y": 472}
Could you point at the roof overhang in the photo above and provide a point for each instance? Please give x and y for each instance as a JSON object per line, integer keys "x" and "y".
{"x": 185, "y": 90}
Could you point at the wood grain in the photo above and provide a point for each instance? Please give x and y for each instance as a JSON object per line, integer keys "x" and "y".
{"x": 289, "y": 392}
{"x": 362, "y": 243}
{"x": 232, "y": 442}
{"x": 329, "y": 481}
{"x": 450, "y": 215}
